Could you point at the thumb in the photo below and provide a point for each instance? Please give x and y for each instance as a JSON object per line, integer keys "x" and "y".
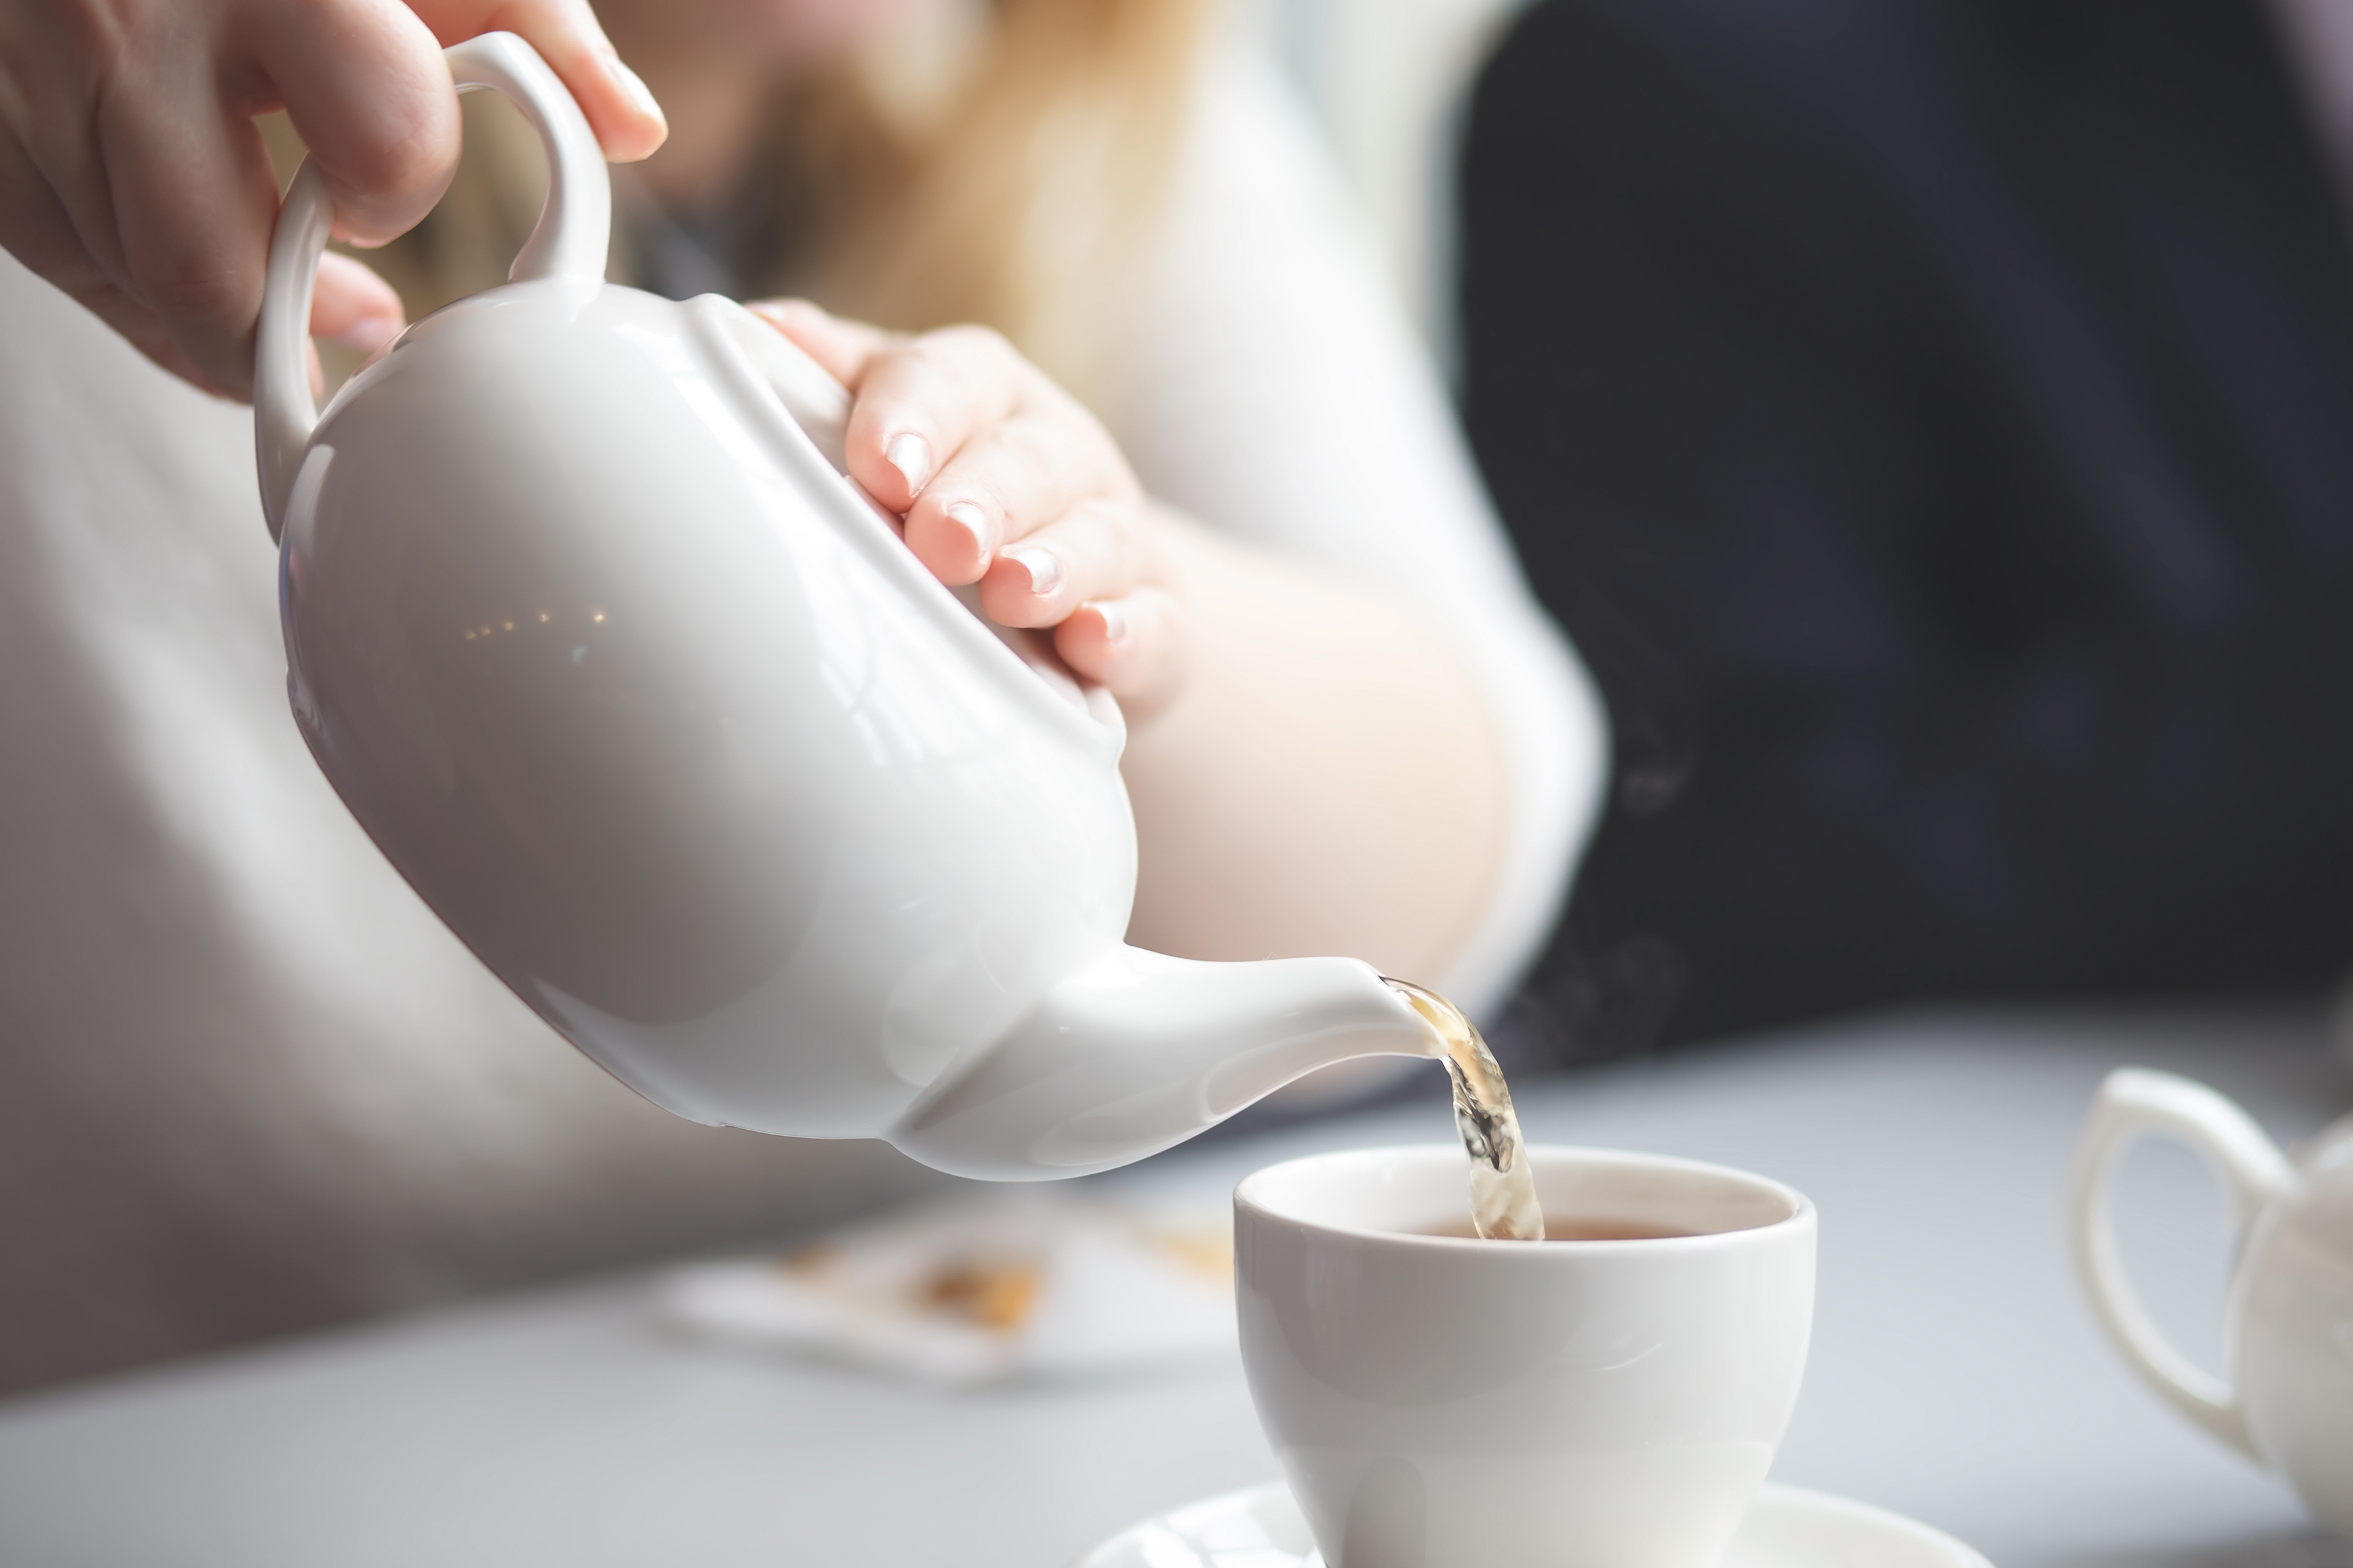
{"x": 627, "y": 121}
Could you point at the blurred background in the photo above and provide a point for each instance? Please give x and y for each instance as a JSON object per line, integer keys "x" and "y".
{"x": 1386, "y": 82}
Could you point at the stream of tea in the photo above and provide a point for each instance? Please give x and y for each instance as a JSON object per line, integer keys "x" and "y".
{"x": 1504, "y": 1205}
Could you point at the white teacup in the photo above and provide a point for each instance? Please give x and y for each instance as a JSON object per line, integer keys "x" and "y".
{"x": 1438, "y": 1401}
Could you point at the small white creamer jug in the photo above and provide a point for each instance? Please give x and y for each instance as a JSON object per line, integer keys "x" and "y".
{"x": 2288, "y": 1402}
{"x": 657, "y": 711}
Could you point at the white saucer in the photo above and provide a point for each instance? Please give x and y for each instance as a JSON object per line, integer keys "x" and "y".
{"x": 1785, "y": 1528}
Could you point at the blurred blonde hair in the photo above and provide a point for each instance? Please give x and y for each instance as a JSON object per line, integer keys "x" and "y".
{"x": 1005, "y": 167}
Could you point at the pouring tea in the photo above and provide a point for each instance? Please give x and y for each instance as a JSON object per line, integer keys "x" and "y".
{"x": 656, "y": 710}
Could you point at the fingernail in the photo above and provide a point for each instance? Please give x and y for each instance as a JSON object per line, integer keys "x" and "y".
{"x": 912, "y": 456}
{"x": 974, "y": 522}
{"x": 639, "y": 93}
{"x": 369, "y": 336}
{"x": 1115, "y": 623}
{"x": 1045, "y": 570}
{"x": 784, "y": 309}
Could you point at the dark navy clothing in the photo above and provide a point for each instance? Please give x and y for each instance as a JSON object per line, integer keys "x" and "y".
{"x": 1934, "y": 421}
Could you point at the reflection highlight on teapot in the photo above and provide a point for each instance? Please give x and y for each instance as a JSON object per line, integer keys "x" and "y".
{"x": 491, "y": 629}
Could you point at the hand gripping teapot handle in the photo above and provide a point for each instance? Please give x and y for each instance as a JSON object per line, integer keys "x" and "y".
{"x": 574, "y": 231}
{"x": 2132, "y": 1103}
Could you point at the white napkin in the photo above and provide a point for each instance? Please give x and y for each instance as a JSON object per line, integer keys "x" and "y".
{"x": 1024, "y": 1281}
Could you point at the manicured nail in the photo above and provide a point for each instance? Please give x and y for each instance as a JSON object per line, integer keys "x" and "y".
{"x": 974, "y": 522}
{"x": 639, "y": 93}
{"x": 369, "y": 335}
{"x": 912, "y": 456}
{"x": 1045, "y": 570}
{"x": 1115, "y": 623}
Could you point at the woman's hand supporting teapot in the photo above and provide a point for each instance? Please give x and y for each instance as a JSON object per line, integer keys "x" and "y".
{"x": 1006, "y": 481}
{"x": 1312, "y": 766}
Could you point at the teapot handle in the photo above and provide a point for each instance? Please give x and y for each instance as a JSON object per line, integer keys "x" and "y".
{"x": 573, "y": 232}
{"x": 2131, "y": 1103}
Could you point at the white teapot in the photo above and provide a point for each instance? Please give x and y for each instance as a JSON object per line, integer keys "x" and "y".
{"x": 2289, "y": 1400}
{"x": 657, "y": 711}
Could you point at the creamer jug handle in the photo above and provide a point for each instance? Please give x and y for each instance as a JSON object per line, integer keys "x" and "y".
{"x": 2132, "y": 1103}
{"x": 573, "y": 232}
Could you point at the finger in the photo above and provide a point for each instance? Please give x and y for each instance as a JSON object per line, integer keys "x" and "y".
{"x": 145, "y": 331}
{"x": 1092, "y": 553}
{"x": 34, "y": 229}
{"x": 365, "y": 84}
{"x": 1006, "y": 483}
{"x": 39, "y": 233}
{"x": 628, "y": 124}
{"x": 194, "y": 199}
{"x": 1133, "y": 647}
{"x": 46, "y": 91}
{"x": 920, "y": 401}
{"x": 53, "y": 252}
{"x": 354, "y": 307}
{"x": 843, "y": 348}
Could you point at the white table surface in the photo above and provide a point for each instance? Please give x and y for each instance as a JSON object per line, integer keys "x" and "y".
{"x": 1955, "y": 1375}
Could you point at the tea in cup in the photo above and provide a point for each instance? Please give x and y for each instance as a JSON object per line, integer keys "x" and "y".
{"x": 1609, "y": 1400}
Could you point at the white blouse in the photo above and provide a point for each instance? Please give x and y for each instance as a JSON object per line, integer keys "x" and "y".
{"x": 250, "y": 1082}
{"x": 1351, "y": 455}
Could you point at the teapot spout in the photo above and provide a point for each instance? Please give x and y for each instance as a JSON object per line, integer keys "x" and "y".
{"x": 1138, "y": 1051}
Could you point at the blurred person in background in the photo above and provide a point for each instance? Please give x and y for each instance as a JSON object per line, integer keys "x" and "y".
{"x": 247, "y": 1083}
{"x": 1934, "y": 420}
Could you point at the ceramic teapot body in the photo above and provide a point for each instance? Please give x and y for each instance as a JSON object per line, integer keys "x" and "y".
{"x": 2289, "y": 1401}
{"x": 656, "y": 710}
